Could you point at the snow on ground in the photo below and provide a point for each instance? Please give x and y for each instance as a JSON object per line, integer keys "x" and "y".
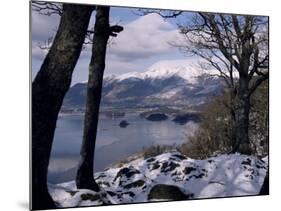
{"x": 169, "y": 176}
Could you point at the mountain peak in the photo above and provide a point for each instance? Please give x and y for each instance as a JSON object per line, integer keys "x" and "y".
{"x": 168, "y": 82}
{"x": 165, "y": 69}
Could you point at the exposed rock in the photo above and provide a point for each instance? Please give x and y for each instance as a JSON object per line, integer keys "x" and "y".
{"x": 88, "y": 196}
{"x": 135, "y": 184}
{"x": 210, "y": 161}
{"x": 72, "y": 193}
{"x": 111, "y": 193}
{"x": 169, "y": 166}
{"x": 157, "y": 117}
{"x": 169, "y": 176}
{"x": 130, "y": 193}
{"x": 127, "y": 172}
{"x": 187, "y": 170}
{"x": 179, "y": 156}
{"x": 155, "y": 165}
{"x": 199, "y": 175}
{"x": 167, "y": 192}
{"x": 247, "y": 162}
{"x": 150, "y": 160}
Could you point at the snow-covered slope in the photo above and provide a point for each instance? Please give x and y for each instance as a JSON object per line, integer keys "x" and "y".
{"x": 171, "y": 82}
{"x": 166, "y": 69}
{"x": 169, "y": 176}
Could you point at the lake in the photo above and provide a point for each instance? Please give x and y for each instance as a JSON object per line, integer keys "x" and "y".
{"x": 113, "y": 142}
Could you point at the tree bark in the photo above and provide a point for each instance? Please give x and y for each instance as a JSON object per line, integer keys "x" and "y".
{"x": 241, "y": 143}
{"x": 48, "y": 90}
{"x": 85, "y": 177}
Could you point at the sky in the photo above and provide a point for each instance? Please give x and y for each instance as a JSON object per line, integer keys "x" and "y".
{"x": 144, "y": 41}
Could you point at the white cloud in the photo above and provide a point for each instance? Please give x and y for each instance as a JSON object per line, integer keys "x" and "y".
{"x": 147, "y": 36}
{"x": 43, "y": 26}
{"x": 142, "y": 40}
{"x": 37, "y": 52}
{"x": 114, "y": 66}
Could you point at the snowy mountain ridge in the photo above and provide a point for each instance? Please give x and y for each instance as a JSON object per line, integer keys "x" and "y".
{"x": 165, "y": 69}
{"x": 168, "y": 176}
{"x": 170, "y": 82}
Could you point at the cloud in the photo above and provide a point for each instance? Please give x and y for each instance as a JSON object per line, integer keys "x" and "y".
{"x": 43, "y": 26}
{"x": 143, "y": 41}
{"x": 144, "y": 37}
{"x": 37, "y": 52}
{"x": 114, "y": 66}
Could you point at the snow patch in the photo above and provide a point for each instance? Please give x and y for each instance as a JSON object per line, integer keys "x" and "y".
{"x": 219, "y": 176}
{"x": 166, "y": 69}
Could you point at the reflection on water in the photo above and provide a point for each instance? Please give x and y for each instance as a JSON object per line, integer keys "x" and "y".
{"x": 113, "y": 143}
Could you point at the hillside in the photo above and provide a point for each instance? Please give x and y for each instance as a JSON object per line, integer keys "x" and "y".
{"x": 169, "y": 176}
{"x": 175, "y": 82}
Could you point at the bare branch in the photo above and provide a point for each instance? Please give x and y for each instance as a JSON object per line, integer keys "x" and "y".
{"x": 47, "y": 44}
{"x": 47, "y": 8}
{"x": 163, "y": 13}
{"x": 257, "y": 83}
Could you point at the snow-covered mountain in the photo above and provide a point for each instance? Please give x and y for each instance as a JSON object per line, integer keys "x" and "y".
{"x": 168, "y": 176}
{"x": 171, "y": 82}
{"x": 166, "y": 69}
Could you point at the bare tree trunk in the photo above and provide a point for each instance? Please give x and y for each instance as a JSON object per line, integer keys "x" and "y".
{"x": 48, "y": 90}
{"x": 241, "y": 143}
{"x": 84, "y": 177}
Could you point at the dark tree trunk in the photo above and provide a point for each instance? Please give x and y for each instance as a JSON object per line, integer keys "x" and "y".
{"x": 48, "y": 90}
{"x": 241, "y": 143}
{"x": 84, "y": 177}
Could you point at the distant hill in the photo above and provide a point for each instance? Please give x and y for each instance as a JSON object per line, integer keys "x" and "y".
{"x": 174, "y": 82}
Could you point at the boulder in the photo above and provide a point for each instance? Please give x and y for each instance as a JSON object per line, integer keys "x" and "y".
{"x": 127, "y": 172}
{"x": 167, "y": 192}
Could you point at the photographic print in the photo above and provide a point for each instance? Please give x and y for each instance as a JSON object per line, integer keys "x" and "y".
{"x": 135, "y": 105}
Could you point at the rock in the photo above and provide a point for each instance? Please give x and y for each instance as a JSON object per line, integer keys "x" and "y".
{"x": 135, "y": 184}
{"x": 247, "y": 162}
{"x": 72, "y": 193}
{"x": 201, "y": 175}
{"x": 157, "y": 117}
{"x": 155, "y": 165}
{"x": 179, "y": 156}
{"x": 167, "y": 192}
{"x": 150, "y": 160}
{"x": 126, "y": 172}
{"x": 130, "y": 193}
{"x": 88, "y": 196}
{"x": 188, "y": 170}
{"x": 184, "y": 118}
{"x": 111, "y": 193}
{"x": 123, "y": 124}
{"x": 169, "y": 166}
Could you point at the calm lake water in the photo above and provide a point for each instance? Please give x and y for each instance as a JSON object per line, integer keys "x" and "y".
{"x": 113, "y": 143}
